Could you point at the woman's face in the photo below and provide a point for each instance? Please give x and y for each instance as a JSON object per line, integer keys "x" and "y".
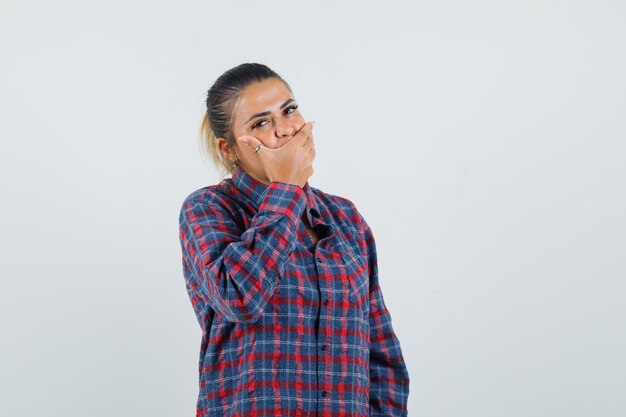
{"x": 267, "y": 111}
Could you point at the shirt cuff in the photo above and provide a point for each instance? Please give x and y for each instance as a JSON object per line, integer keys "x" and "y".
{"x": 284, "y": 198}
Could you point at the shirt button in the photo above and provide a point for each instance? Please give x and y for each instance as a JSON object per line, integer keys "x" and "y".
{"x": 326, "y": 302}
{"x": 323, "y": 393}
{"x": 323, "y": 347}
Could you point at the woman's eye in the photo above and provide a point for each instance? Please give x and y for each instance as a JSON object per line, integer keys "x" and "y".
{"x": 256, "y": 124}
{"x": 292, "y": 107}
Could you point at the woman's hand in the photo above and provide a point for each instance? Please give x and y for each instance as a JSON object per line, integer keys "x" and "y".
{"x": 291, "y": 163}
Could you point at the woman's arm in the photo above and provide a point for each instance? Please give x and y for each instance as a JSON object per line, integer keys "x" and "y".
{"x": 235, "y": 271}
{"x": 389, "y": 376}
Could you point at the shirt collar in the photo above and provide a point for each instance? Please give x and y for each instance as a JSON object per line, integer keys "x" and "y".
{"x": 255, "y": 190}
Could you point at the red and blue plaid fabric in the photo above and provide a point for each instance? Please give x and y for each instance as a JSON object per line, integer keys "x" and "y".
{"x": 289, "y": 328}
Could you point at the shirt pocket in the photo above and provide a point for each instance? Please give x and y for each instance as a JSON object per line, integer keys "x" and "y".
{"x": 357, "y": 279}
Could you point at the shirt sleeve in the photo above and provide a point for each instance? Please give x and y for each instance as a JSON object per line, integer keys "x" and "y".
{"x": 232, "y": 270}
{"x": 389, "y": 377}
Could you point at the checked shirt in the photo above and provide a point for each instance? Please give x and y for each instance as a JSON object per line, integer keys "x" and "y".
{"x": 289, "y": 328}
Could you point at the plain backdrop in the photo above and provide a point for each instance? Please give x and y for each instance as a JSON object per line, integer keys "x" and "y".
{"x": 483, "y": 141}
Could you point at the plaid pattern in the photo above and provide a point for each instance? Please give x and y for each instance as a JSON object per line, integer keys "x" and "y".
{"x": 288, "y": 328}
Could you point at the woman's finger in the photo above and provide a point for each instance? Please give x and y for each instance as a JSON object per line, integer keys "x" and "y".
{"x": 250, "y": 141}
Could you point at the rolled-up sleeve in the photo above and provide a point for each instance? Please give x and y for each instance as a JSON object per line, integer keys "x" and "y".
{"x": 235, "y": 271}
{"x": 389, "y": 376}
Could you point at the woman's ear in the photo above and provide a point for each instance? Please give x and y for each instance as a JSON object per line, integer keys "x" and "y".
{"x": 228, "y": 151}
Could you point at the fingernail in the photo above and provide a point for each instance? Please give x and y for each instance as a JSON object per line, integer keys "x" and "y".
{"x": 243, "y": 139}
{"x": 312, "y": 123}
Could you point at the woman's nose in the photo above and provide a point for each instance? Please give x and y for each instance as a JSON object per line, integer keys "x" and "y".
{"x": 284, "y": 129}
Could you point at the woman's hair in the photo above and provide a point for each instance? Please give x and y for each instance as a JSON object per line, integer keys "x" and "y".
{"x": 221, "y": 99}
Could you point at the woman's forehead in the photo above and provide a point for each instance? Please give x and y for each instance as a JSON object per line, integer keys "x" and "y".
{"x": 268, "y": 95}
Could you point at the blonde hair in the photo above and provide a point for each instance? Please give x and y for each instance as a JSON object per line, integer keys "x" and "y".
{"x": 221, "y": 98}
{"x": 208, "y": 143}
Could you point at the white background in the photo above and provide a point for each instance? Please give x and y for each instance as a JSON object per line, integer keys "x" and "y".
{"x": 482, "y": 140}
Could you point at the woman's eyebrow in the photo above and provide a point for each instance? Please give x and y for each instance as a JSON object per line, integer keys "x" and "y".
{"x": 265, "y": 113}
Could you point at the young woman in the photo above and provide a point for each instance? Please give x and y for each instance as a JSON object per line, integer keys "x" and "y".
{"x": 282, "y": 276}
